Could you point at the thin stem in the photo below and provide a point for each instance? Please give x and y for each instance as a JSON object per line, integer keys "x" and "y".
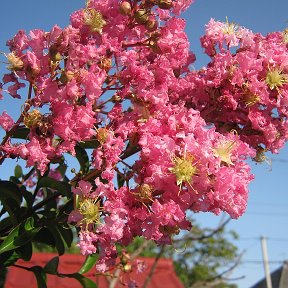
{"x": 21, "y": 267}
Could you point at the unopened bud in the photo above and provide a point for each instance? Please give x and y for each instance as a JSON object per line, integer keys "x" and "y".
{"x": 177, "y": 72}
{"x": 165, "y": 4}
{"x": 155, "y": 48}
{"x": 151, "y": 25}
{"x": 124, "y": 258}
{"x": 116, "y": 98}
{"x": 66, "y": 76}
{"x": 141, "y": 16}
{"x": 125, "y": 8}
{"x": 56, "y": 57}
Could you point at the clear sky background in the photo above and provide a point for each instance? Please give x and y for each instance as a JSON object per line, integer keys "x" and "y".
{"x": 267, "y": 212}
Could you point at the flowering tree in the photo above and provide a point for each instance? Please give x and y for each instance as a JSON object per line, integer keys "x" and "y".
{"x": 154, "y": 138}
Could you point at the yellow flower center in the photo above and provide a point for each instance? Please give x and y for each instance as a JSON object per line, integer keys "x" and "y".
{"x": 184, "y": 169}
{"x": 224, "y": 150}
{"x": 15, "y": 63}
{"x": 276, "y": 78}
{"x": 94, "y": 20}
{"x": 90, "y": 210}
{"x": 145, "y": 193}
{"x": 230, "y": 28}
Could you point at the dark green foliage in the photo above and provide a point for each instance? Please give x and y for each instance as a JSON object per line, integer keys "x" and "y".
{"x": 29, "y": 221}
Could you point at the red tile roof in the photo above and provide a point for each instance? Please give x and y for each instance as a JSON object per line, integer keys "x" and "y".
{"x": 163, "y": 276}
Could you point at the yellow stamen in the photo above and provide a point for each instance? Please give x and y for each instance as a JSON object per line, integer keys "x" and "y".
{"x": 276, "y": 78}
{"x": 224, "y": 150}
{"x": 15, "y": 62}
{"x": 230, "y": 28}
{"x": 184, "y": 169}
{"x": 90, "y": 210}
{"x": 94, "y": 20}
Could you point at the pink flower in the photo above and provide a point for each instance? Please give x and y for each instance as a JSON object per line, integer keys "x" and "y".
{"x": 84, "y": 188}
{"x": 86, "y": 242}
{"x": 36, "y": 156}
{"x": 6, "y": 121}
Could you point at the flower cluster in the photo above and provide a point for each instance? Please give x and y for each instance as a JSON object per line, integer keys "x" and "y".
{"x": 173, "y": 139}
{"x": 245, "y": 86}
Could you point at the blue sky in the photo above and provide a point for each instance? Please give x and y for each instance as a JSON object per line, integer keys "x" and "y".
{"x": 267, "y": 208}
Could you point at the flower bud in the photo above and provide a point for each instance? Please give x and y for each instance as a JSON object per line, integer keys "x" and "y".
{"x": 124, "y": 258}
{"x": 66, "y": 76}
{"x": 125, "y": 8}
{"x": 151, "y": 25}
{"x": 155, "y": 48}
{"x": 56, "y": 57}
{"x": 165, "y": 4}
{"x": 116, "y": 98}
{"x": 141, "y": 16}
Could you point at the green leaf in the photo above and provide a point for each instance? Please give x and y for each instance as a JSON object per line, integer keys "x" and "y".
{"x": 82, "y": 158}
{"x": 85, "y": 282}
{"x": 66, "y": 209}
{"x": 8, "y": 258}
{"x": 57, "y": 238}
{"x": 19, "y": 236}
{"x": 62, "y": 187}
{"x": 62, "y": 168}
{"x": 27, "y": 231}
{"x": 10, "y": 190}
{"x": 52, "y": 204}
{"x": 66, "y": 234}
{"x": 45, "y": 237}
{"x": 5, "y": 224}
{"x": 11, "y": 198}
{"x": 21, "y": 133}
{"x": 27, "y": 196}
{"x": 25, "y": 252}
{"x": 18, "y": 172}
{"x": 89, "y": 144}
{"x": 40, "y": 276}
{"x": 11, "y": 207}
{"x": 120, "y": 181}
{"x": 89, "y": 263}
{"x": 15, "y": 180}
{"x": 52, "y": 266}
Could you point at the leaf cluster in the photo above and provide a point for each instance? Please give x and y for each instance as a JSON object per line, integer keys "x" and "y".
{"x": 35, "y": 218}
